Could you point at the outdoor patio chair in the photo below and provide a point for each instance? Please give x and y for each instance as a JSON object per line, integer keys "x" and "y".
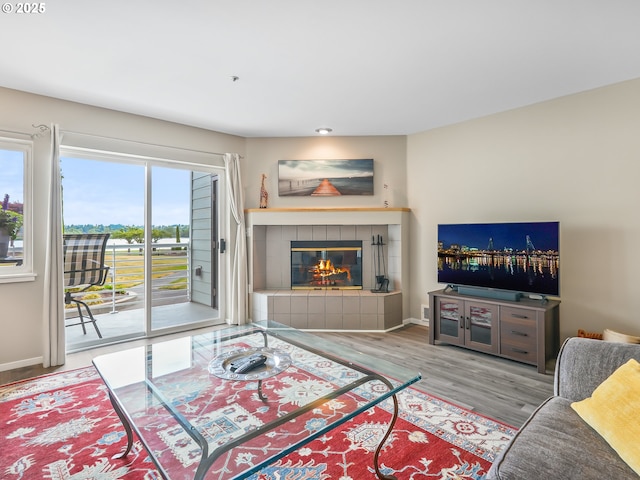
{"x": 84, "y": 268}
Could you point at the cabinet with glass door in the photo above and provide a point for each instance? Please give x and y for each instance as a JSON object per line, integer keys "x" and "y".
{"x": 469, "y": 323}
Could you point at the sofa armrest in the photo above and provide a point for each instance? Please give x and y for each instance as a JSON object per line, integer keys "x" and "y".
{"x": 584, "y": 363}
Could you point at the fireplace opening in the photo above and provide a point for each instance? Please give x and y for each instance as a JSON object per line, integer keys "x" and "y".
{"x": 329, "y": 264}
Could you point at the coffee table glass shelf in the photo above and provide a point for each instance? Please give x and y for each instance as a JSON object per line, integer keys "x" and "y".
{"x": 198, "y": 418}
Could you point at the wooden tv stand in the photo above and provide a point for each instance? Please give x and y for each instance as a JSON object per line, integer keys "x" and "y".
{"x": 527, "y": 330}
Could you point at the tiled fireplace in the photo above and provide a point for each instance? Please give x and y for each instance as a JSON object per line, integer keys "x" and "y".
{"x": 291, "y": 286}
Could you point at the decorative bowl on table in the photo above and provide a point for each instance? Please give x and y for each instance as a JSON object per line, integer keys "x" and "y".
{"x": 276, "y": 362}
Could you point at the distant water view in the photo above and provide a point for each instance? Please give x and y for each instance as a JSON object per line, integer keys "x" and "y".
{"x": 346, "y": 186}
{"x": 537, "y": 274}
{"x": 17, "y": 245}
{"x": 121, "y": 241}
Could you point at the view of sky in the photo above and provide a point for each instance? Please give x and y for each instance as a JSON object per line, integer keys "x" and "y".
{"x": 11, "y": 179}
{"x": 309, "y": 169}
{"x": 97, "y": 192}
{"x": 544, "y": 235}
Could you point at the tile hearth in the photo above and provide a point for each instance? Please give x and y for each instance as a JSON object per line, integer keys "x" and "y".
{"x": 329, "y": 309}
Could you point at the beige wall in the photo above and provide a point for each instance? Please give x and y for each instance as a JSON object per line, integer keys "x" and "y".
{"x": 575, "y": 159}
{"x": 388, "y": 153}
{"x": 21, "y": 303}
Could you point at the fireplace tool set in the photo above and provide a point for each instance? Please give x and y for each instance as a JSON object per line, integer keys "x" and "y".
{"x": 382, "y": 282}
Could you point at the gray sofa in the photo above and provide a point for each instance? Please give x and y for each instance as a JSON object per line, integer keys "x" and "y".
{"x": 555, "y": 443}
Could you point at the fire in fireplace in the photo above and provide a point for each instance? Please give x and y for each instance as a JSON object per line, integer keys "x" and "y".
{"x": 330, "y": 264}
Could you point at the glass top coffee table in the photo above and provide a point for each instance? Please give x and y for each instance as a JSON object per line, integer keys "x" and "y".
{"x": 202, "y": 412}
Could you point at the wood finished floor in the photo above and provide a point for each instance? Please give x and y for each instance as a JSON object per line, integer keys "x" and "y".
{"x": 501, "y": 389}
{"x": 498, "y": 388}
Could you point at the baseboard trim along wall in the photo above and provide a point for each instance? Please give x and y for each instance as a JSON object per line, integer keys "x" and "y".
{"x": 415, "y": 321}
{"x": 27, "y": 362}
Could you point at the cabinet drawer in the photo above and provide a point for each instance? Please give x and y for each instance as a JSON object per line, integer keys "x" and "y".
{"x": 518, "y": 351}
{"x": 518, "y": 334}
{"x": 508, "y": 314}
{"x": 518, "y": 331}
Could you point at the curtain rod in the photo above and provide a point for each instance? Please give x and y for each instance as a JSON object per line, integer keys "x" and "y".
{"x": 141, "y": 143}
{"x": 42, "y": 129}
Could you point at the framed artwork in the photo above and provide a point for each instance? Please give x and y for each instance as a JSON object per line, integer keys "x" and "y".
{"x": 325, "y": 178}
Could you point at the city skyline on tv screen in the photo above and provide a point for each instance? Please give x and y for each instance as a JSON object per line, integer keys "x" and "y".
{"x": 521, "y": 257}
{"x": 543, "y": 235}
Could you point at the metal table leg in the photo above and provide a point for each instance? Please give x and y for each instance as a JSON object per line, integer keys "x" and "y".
{"x": 125, "y": 424}
{"x": 379, "y": 474}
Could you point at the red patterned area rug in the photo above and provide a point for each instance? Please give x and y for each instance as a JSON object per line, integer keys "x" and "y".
{"x": 63, "y": 427}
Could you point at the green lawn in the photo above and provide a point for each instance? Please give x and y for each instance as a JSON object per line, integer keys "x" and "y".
{"x": 129, "y": 269}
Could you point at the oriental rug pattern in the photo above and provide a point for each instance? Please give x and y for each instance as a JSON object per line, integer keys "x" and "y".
{"x": 63, "y": 427}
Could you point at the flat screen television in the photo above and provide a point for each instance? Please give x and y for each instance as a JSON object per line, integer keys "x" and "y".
{"x": 518, "y": 257}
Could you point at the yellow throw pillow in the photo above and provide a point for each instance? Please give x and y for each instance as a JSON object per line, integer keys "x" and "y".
{"x": 613, "y": 410}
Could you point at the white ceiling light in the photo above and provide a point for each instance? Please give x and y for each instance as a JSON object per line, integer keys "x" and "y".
{"x": 324, "y": 130}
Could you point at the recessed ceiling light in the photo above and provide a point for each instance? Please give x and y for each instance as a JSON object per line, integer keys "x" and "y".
{"x": 324, "y": 130}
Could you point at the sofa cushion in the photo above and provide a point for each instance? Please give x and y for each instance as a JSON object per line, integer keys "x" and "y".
{"x": 556, "y": 443}
{"x": 613, "y": 336}
{"x": 612, "y": 411}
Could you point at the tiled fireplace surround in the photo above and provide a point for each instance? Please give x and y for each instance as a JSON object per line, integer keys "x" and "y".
{"x": 270, "y": 232}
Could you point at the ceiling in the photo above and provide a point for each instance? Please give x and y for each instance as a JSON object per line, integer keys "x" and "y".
{"x": 361, "y": 67}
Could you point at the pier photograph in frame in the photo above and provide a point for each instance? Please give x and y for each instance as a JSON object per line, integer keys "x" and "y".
{"x": 325, "y": 178}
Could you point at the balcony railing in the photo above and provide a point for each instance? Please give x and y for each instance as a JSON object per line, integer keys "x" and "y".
{"x": 125, "y": 285}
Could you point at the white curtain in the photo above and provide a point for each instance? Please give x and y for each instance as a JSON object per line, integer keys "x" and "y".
{"x": 53, "y": 303}
{"x": 239, "y": 291}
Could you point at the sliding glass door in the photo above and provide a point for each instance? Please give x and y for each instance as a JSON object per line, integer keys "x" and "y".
{"x": 183, "y": 247}
{"x": 163, "y": 220}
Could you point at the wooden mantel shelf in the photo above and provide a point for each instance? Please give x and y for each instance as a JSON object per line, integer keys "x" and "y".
{"x": 328, "y": 209}
{"x": 327, "y": 216}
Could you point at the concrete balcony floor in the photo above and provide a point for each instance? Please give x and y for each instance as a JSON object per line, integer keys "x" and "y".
{"x": 128, "y": 323}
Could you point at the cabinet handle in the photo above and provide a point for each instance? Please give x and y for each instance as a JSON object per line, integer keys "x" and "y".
{"x": 467, "y": 323}
{"x": 462, "y": 322}
{"x": 522, "y": 334}
{"x": 517, "y": 350}
{"x": 518, "y": 315}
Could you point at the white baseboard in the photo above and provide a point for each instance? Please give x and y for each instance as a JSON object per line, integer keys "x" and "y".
{"x": 424, "y": 320}
{"x": 416, "y": 321}
{"x": 27, "y": 362}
